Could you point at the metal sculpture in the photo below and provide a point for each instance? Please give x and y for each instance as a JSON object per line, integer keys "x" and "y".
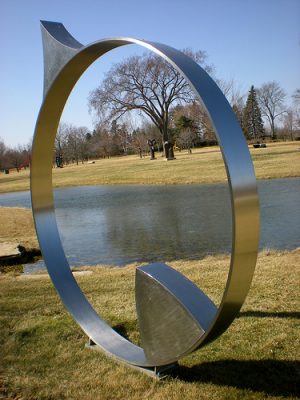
{"x": 175, "y": 317}
{"x": 151, "y": 144}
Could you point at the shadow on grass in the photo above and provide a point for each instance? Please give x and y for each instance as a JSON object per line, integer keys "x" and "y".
{"x": 273, "y": 377}
{"x": 266, "y": 314}
{"x": 122, "y": 330}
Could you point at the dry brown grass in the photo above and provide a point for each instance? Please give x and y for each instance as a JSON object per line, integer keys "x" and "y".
{"x": 17, "y": 227}
{"x": 43, "y": 354}
{"x": 205, "y": 165}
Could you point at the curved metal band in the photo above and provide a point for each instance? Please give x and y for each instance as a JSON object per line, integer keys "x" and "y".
{"x": 241, "y": 178}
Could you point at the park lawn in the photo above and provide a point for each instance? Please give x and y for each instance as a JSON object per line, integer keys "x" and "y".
{"x": 17, "y": 227}
{"x": 43, "y": 354}
{"x": 205, "y": 165}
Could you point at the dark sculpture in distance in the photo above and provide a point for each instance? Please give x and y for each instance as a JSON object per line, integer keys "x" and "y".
{"x": 151, "y": 144}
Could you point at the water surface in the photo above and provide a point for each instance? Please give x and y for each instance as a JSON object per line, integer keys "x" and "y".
{"x": 123, "y": 224}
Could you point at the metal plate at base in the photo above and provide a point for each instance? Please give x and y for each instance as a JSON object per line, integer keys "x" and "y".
{"x": 160, "y": 373}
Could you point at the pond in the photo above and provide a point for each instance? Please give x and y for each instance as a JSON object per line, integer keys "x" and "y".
{"x": 118, "y": 225}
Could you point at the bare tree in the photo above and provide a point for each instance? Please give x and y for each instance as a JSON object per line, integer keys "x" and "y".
{"x": 200, "y": 121}
{"x": 17, "y": 157}
{"x": 102, "y": 142}
{"x": 139, "y": 142}
{"x": 296, "y": 107}
{"x": 14, "y": 157}
{"x": 147, "y": 84}
{"x": 290, "y": 124}
{"x": 296, "y": 97}
{"x": 271, "y": 101}
{"x": 61, "y": 144}
{"x": 77, "y": 144}
{"x": 82, "y": 134}
{"x": 237, "y": 102}
{"x": 120, "y": 137}
{"x": 186, "y": 130}
{"x": 2, "y": 154}
{"x": 186, "y": 138}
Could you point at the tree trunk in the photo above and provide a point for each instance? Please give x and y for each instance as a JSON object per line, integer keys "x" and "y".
{"x": 274, "y": 136}
{"x": 168, "y": 146}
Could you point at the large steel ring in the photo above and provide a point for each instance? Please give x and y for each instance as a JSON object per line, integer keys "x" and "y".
{"x": 65, "y": 61}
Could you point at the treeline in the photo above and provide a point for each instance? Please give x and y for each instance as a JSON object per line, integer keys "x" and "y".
{"x": 170, "y": 116}
{"x": 77, "y": 144}
{"x": 17, "y": 157}
{"x": 189, "y": 127}
{"x": 150, "y": 86}
{"x": 267, "y": 104}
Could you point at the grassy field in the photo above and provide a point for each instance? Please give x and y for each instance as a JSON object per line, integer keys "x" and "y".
{"x": 43, "y": 354}
{"x": 42, "y": 351}
{"x": 278, "y": 160}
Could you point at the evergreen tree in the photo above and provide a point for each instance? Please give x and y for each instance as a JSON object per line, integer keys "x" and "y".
{"x": 238, "y": 110}
{"x": 252, "y": 121}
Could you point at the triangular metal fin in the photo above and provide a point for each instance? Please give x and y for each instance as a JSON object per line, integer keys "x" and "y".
{"x": 173, "y": 313}
{"x": 59, "y": 47}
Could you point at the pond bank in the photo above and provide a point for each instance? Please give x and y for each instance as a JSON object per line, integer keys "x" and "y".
{"x": 18, "y": 242}
{"x": 13, "y": 258}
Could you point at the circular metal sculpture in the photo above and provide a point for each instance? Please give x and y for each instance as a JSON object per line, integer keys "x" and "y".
{"x": 175, "y": 317}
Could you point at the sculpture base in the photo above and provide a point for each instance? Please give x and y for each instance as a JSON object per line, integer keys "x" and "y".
{"x": 161, "y": 372}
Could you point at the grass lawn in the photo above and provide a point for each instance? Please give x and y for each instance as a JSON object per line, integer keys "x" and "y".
{"x": 42, "y": 351}
{"x": 43, "y": 354}
{"x": 205, "y": 165}
{"x": 17, "y": 227}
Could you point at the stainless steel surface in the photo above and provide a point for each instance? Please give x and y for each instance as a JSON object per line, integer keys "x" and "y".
{"x": 173, "y": 313}
{"x": 56, "y": 52}
{"x": 65, "y": 61}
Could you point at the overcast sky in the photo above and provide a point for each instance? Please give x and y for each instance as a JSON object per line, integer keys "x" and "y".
{"x": 250, "y": 41}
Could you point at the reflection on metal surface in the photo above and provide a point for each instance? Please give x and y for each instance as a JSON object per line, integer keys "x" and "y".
{"x": 65, "y": 61}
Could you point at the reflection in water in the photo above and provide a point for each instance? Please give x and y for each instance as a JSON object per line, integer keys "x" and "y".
{"x": 122, "y": 224}
{"x": 118, "y": 225}
{"x": 156, "y": 223}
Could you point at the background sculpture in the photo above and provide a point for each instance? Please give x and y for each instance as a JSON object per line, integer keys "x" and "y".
{"x": 196, "y": 320}
{"x": 151, "y": 144}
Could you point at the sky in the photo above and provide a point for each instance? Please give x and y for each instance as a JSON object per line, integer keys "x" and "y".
{"x": 249, "y": 41}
